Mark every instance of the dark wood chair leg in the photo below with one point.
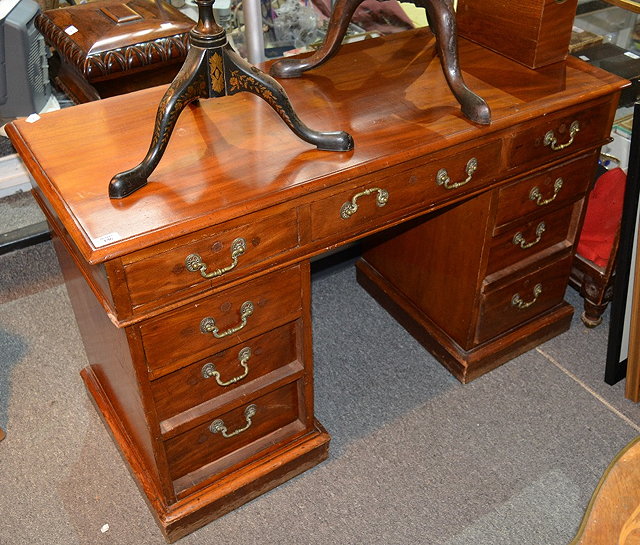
(442, 21)
(597, 295)
(339, 21)
(592, 314)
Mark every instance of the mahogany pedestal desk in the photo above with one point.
(192, 295)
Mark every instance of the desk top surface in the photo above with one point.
(231, 156)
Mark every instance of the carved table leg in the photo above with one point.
(213, 69)
(242, 76)
(341, 15)
(442, 20)
(189, 84)
(443, 24)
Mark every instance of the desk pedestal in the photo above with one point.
(475, 286)
(214, 501)
(465, 365)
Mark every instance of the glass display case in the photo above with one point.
(614, 24)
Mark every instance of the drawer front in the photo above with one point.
(209, 258)
(524, 240)
(222, 373)
(557, 135)
(553, 188)
(522, 299)
(217, 322)
(382, 197)
(230, 431)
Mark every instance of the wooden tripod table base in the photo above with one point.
(213, 69)
(442, 21)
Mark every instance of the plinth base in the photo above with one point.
(465, 365)
(224, 495)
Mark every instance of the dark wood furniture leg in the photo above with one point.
(341, 15)
(594, 308)
(213, 69)
(442, 21)
(595, 285)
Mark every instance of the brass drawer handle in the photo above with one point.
(209, 370)
(194, 262)
(516, 300)
(536, 196)
(208, 324)
(348, 209)
(442, 177)
(551, 141)
(217, 426)
(519, 240)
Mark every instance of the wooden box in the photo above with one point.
(111, 47)
(534, 33)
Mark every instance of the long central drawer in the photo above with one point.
(382, 197)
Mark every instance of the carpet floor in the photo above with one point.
(416, 457)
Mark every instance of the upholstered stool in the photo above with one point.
(594, 265)
(112, 47)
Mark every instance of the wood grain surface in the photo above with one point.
(613, 514)
(231, 156)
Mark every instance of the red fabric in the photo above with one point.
(602, 218)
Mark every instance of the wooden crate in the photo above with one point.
(534, 33)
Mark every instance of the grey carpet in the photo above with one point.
(416, 457)
(19, 210)
(6, 148)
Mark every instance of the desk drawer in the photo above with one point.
(208, 258)
(557, 135)
(380, 198)
(256, 424)
(522, 299)
(523, 240)
(220, 321)
(550, 189)
(221, 374)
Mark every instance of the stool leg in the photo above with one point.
(597, 293)
(242, 76)
(341, 15)
(442, 21)
(189, 85)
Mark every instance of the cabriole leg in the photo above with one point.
(442, 21)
